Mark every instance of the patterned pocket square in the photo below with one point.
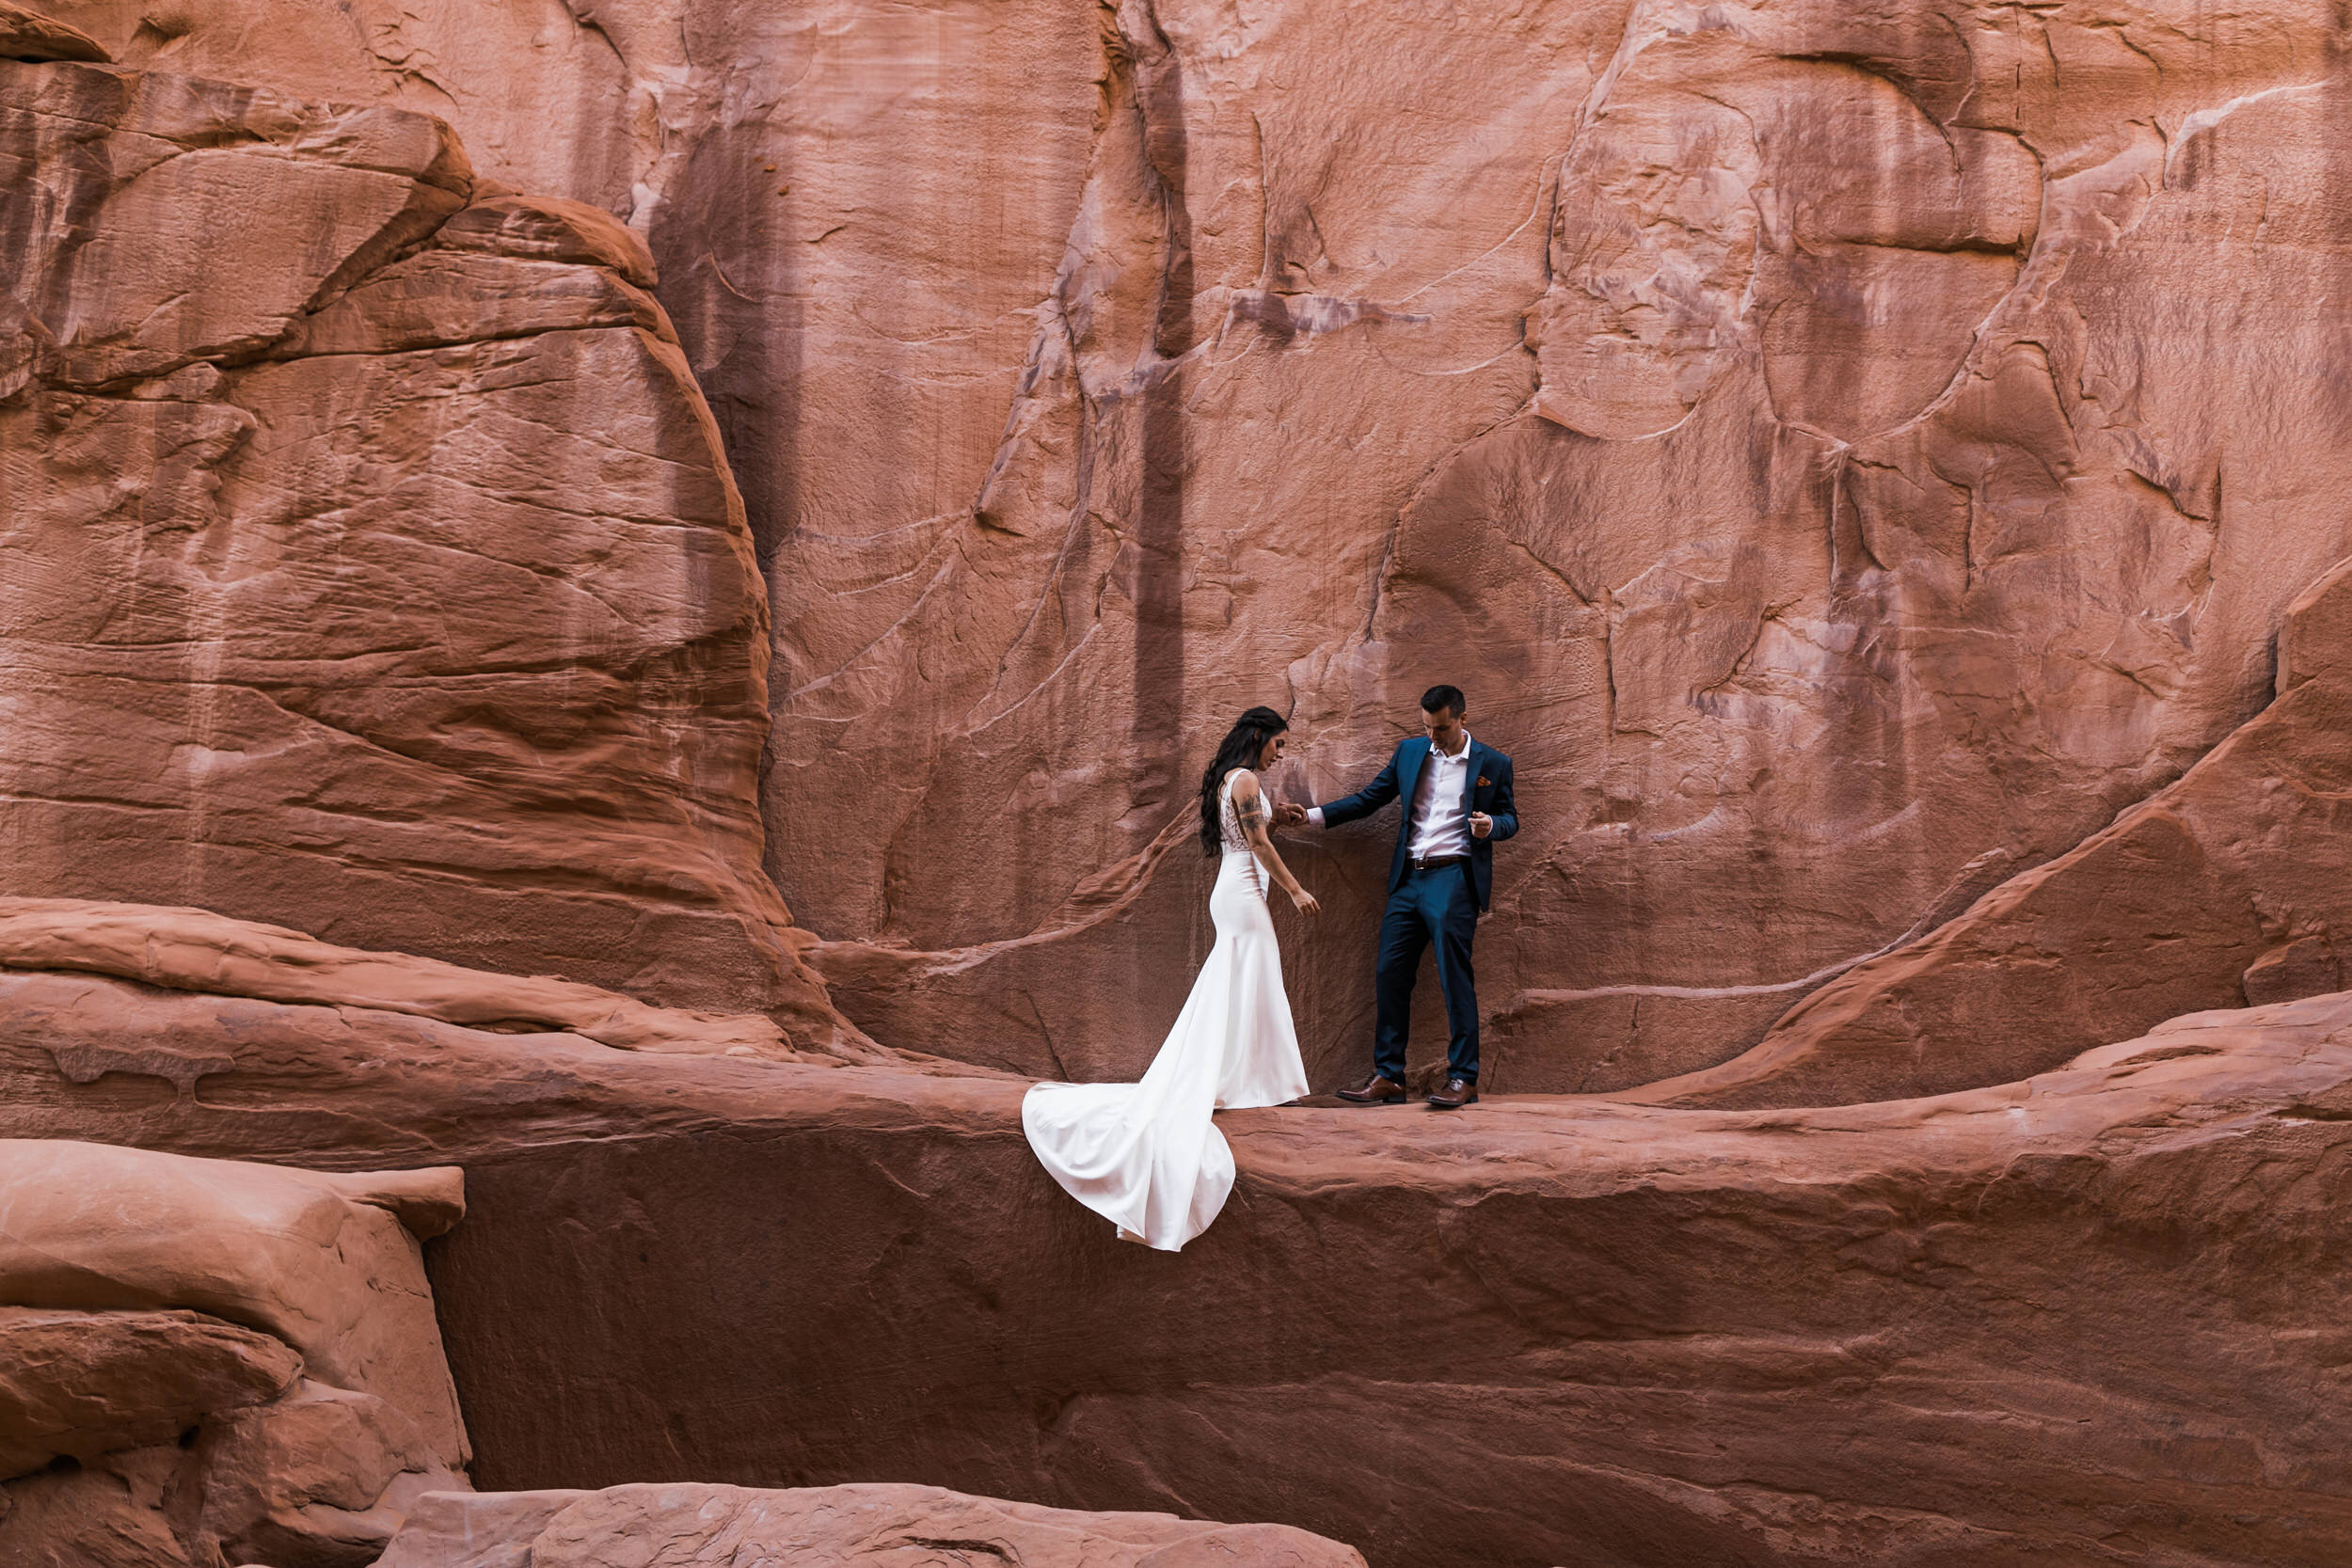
(1485, 783)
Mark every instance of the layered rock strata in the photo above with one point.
(1909, 1333)
(372, 563)
(719, 1526)
(49, 947)
(206, 1362)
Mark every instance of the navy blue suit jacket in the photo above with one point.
(1489, 778)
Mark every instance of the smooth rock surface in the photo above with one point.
(371, 566)
(1907, 1332)
(719, 1526)
(325, 1262)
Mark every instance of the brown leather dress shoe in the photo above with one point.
(1377, 1091)
(1457, 1093)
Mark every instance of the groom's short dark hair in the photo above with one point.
(1444, 699)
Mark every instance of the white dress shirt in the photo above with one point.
(1440, 806)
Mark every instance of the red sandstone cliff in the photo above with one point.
(1869, 466)
(1848, 453)
(372, 563)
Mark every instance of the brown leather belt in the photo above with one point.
(1420, 864)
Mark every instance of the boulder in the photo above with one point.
(326, 1263)
(84, 1385)
(205, 1361)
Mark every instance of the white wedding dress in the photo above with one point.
(1146, 1156)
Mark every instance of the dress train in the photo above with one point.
(1147, 1156)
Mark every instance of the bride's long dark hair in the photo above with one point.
(1241, 748)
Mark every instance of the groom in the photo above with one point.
(1459, 795)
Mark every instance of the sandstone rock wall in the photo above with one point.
(371, 565)
(1849, 454)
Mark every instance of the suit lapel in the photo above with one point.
(1416, 754)
(1469, 778)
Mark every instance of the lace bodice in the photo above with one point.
(1229, 820)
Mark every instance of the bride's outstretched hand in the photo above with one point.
(1305, 902)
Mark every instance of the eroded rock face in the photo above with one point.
(2232, 885)
(722, 1525)
(374, 567)
(1803, 429)
(29, 36)
(1886, 367)
(85, 1384)
(1911, 1333)
(203, 1361)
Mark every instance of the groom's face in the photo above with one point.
(1445, 729)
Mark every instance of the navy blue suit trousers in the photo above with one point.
(1439, 906)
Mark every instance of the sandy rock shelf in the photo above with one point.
(2103, 1305)
(834, 1526)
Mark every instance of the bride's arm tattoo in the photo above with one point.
(1252, 814)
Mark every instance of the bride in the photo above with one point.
(1144, 1156)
